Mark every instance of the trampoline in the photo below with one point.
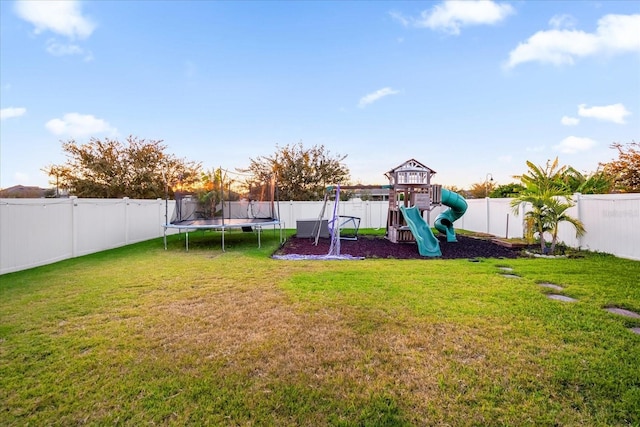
(251, 211)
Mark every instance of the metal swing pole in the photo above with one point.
(318, 226)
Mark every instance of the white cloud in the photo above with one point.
(451, 15)
(611, 113)
(615, 34)
(375, 96)
(8, 113)
(79, 125)
(58, 49)
(63, 49)
(620, 32)
(569, 121)
(574, 144)
(400, 18)
(554, 46)
(507, 158)
(562, 21)
(60, 17)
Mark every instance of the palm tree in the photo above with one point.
(556, 213)
(550, 179)
(537, 215)
(547, 190)
(598, 182)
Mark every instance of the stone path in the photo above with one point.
(551, 286)
(507, 272)
(558, 297)
(623, 312)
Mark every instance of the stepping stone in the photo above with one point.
(505, 268)
(511, 276)
(635, 330)
(623, 312)
(561, 298)
(551, 286)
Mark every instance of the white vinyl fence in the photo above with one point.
(612, 222)
(36, 232)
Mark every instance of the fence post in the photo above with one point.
(506, 233)
(160, 221)
(73, 200)
(125, 200)
(577, 198)
(291, 214)
(488, 214)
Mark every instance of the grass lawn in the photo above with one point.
(144, 336)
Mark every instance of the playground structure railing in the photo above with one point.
(36, 232)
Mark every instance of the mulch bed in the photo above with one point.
(379, 247)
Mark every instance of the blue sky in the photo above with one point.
(467, 88)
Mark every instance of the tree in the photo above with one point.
(549, 179)
(480, 190)
(107, 168)
(625, 171)
(506, 190)
(547, 191)
(210, 192)
(59, 176)
(301, 173)
(556, 213)
(597, 182)
(536, 217)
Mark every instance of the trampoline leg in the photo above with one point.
(223, 240)
(259, 229)
(187, 241)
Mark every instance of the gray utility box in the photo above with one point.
(306, 228)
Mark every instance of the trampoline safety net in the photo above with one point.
(255, 202)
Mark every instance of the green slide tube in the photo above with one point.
(428, 245)
(457, 207)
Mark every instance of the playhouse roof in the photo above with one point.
(411, 165)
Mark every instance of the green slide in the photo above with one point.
(428, 245)
(457, 207)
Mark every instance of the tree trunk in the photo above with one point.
(554, 240)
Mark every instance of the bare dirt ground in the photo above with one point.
(379, 247)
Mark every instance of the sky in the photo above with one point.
(472, 89)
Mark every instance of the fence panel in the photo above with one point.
(34, 232)
(292, 211)
(145, 218)
(474, 219)
(99, 224)
(372, 214)
(612, 222)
